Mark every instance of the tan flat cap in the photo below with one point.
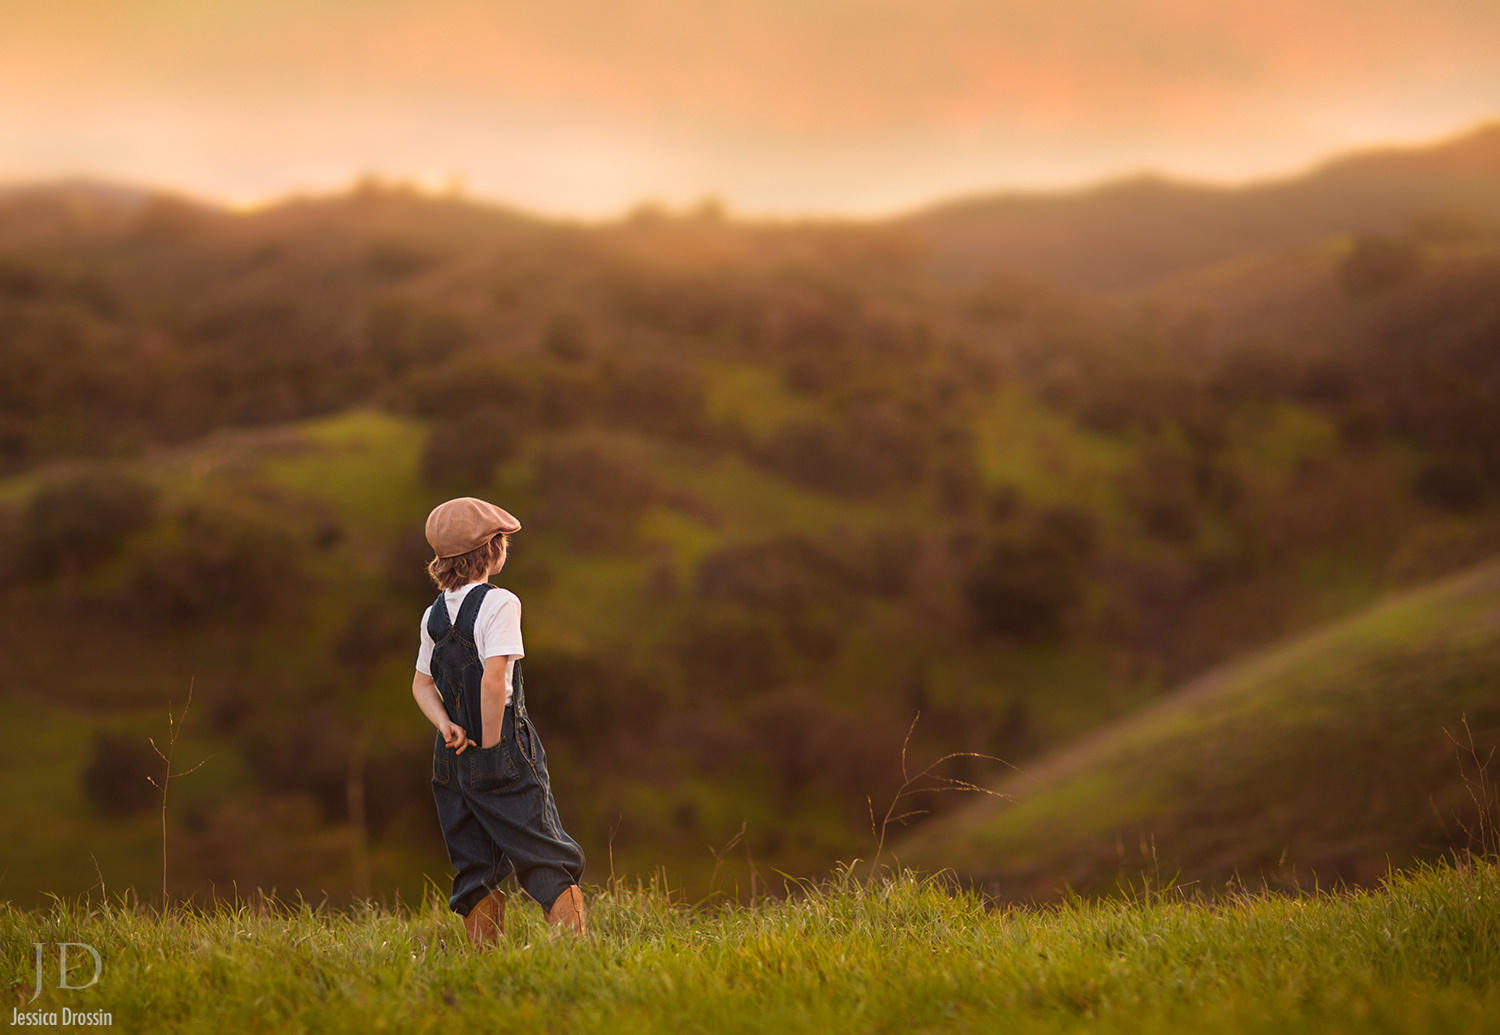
(465, 524)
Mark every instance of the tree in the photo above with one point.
(76, 522)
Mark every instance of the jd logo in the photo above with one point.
(63, 968)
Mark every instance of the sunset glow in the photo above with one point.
(785, 107)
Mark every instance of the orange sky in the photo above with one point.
(861, 107)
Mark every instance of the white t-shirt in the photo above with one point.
(497, 627)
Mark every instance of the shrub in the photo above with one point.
(565, 339)
(727, 650)
(816, 369)
(1362, 423)
(464, 448)
(565, 397)
(811, 742)
(115, 778)
(405, 568)
(593, 700)
(659, 397)
(789, 571)
(79, 521)
(1169, 517)
(396, 259)
(389, 787)
(233, 702)
(1328, 381)
(222, 563)
(1378, 262)
(960, 485)
(1074, 530)
(1254, 370)
(403, 334)
(1022, 589)
(593, 490)
(886, 557)
(376, 631)
(469, 381)
(1164, 491)
(1451, 484)
(836, 458)
(295, 753)
(702, 302)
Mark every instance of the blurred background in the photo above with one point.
(1111, 390)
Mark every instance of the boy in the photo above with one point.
(489, 772)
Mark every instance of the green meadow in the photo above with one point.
(1418, 953)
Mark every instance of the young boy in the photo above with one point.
(489, 771)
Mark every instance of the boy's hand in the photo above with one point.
(454, 736)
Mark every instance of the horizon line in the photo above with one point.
(414, 184)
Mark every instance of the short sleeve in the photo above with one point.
(498, 630)
(424, 650)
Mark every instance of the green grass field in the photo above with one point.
(902, 953)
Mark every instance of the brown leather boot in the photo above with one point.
(567, 911)
(485, 923)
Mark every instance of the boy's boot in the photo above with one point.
(567, 911)
(485, 923)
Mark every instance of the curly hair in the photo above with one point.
(474, 566)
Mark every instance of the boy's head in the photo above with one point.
(470, 538)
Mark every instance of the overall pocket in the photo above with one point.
(496, 765)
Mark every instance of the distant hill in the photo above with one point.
(1322, 757)
(1132, 231)
(42, 210)
(92, 189)
(1119, 234)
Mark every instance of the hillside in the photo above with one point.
(782, 487)
(1324, 758)
(1129, 232)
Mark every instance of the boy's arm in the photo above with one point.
(493, 690)
(424, 690)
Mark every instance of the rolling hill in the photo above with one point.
(1321, 758)
(1129, 232)
(783, 486)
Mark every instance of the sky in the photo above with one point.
(585, 108)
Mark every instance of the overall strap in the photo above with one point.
(468, 612)
(438, 623)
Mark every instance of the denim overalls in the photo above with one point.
(494, 804)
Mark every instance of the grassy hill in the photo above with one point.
(344, 499)
(1327, 757)
(899, 954)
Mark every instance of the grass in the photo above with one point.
(903, 953)
(362, 462)
(1049, 458)
(754, 394)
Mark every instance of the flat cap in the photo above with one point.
(465, 524)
